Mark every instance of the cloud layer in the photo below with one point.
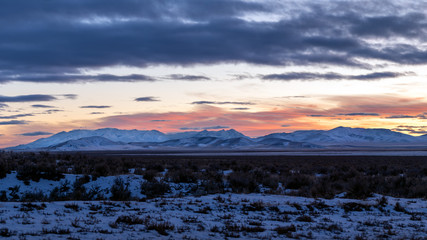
(58, 38)
(27, 98)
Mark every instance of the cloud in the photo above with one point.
(188, 77)
(27, 98)
(358, 114)
(95, 106)
(103, 33)
(419, 116)
(160, 120)
(14, 122)
(320, 115)
(297, 115)
(146, 99)
(285, 125)
(400, 116)
(50, 111)
(38, 133)
(41, 106)
(67, 78)
(240, 108)
(411, 129)
(291, 76)
(204, 128)
(95, 113)
(16, 116)
(222, 103)
(70, 96)
(297, 96)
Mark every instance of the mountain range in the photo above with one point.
(116, 139)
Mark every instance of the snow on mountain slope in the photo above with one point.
(91, 143)
(280, 143)
(235, 142)
(344, 135)
(136, 139)
(189, 142)
(125, 136)
(115, 135)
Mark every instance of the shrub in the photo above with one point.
(160, 227)
(3, 196)
(36, 196)
(181, 176)
(72, 206)
(5, 232)
(56, 230)
(359, 189)
(130, 220)
(120, 190)
(285, 229)
(254, 206)
(399, 208)
(356, 207)
(304, 218)
(154, 188)
(27, 207)
(243, 182)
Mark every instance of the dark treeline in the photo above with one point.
(310, 176)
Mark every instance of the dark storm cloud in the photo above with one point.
(27, 98)
(32, 134)
(16, 116)
(56, 39)
(358, 114)
(222, 103)
(41, 106)
(14, 122)
(95, 106)
(146, 99)
(330, 76)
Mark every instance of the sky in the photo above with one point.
(254, 66)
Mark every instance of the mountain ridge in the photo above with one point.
(112, 138)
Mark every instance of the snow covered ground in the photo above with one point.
(241, 216)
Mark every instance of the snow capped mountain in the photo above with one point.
(113, 134)
(116, 139)
(90, 143)
(345, 135)
(76, 139)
